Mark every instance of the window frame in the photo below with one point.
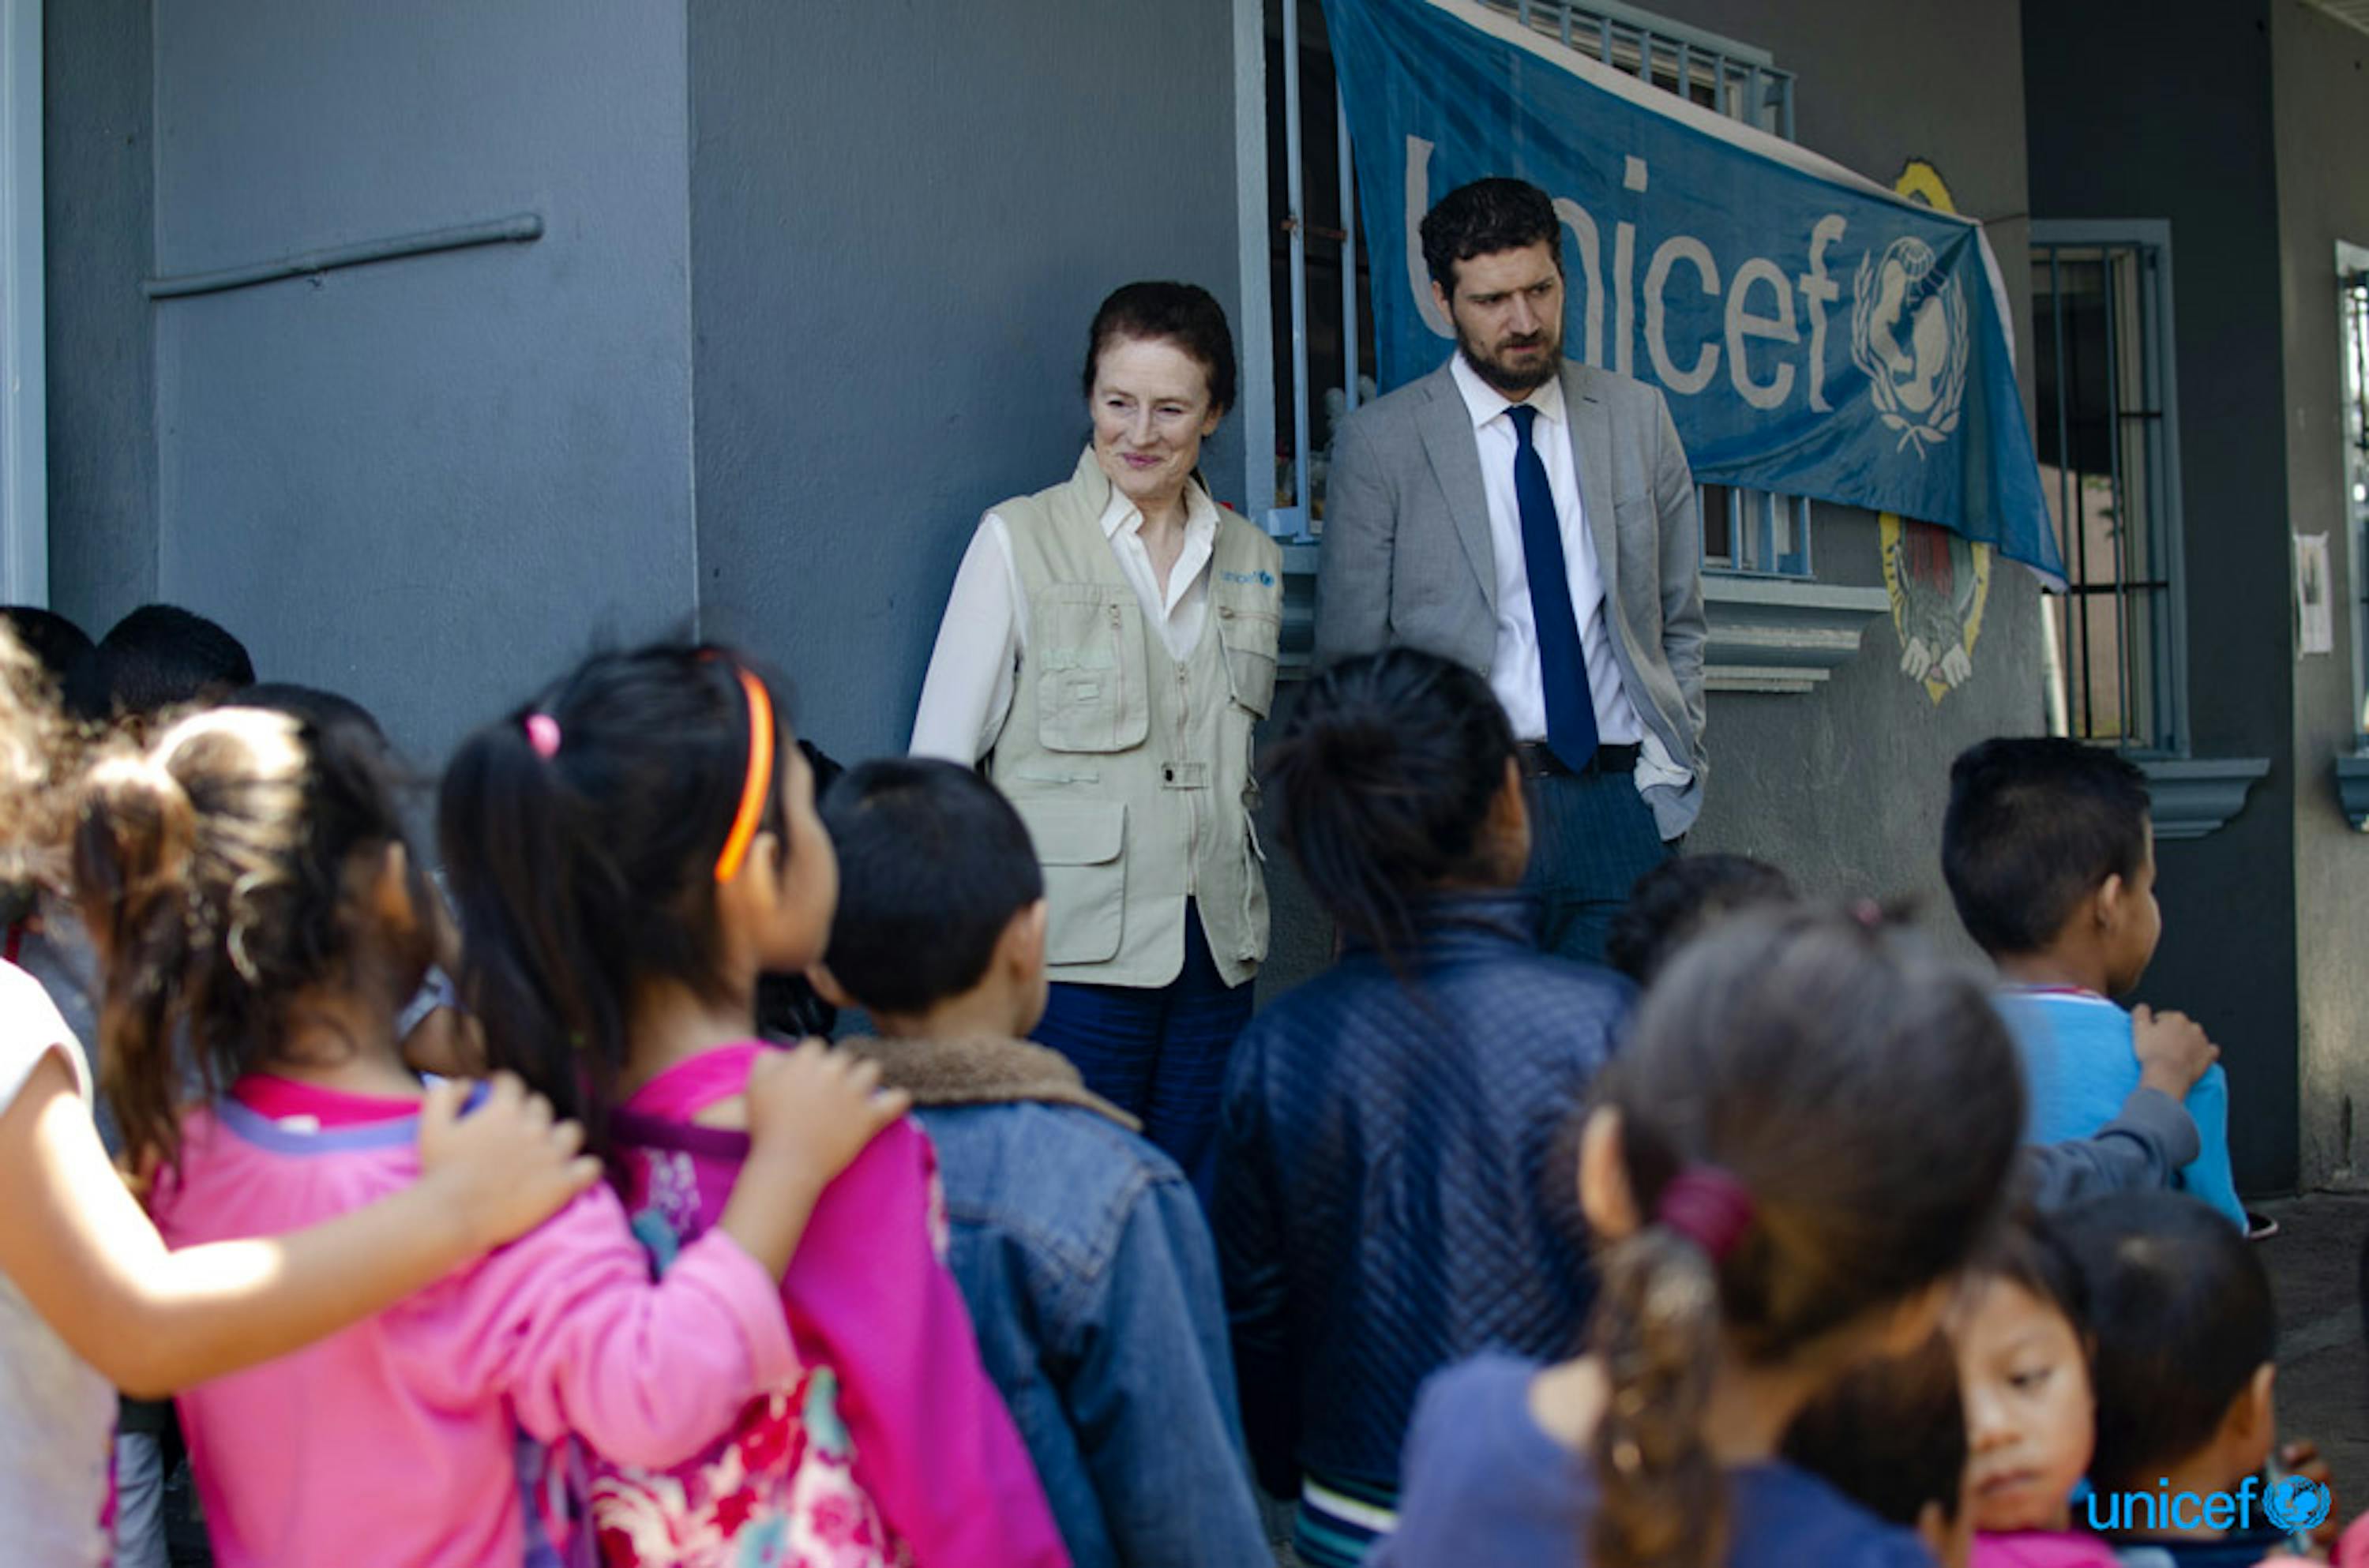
(2157, 296)
(2352, 426)
(24, 399)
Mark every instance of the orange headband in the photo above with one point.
(754, 788)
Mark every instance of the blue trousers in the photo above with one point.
(1591, 837)
(1157, 1053)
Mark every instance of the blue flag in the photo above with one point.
(1815, 333)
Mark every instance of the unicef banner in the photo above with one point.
(1815, 333)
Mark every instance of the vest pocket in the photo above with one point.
(1250, 638)
(1086, 642)
(1081, 844)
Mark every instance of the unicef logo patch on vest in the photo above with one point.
(1908, 335)
(1261, 578)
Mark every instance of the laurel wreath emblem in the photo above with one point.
(1897, 379)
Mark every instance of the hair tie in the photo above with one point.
(543, 734)
(1709, 1207)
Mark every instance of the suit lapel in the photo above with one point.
(1591, 450)
(1454, 452)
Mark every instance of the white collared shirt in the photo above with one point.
(967, 693)
(1513, 672)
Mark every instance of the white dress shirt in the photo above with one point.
(1514, 672)
(967, 693)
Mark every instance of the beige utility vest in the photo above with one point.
(1132, 769)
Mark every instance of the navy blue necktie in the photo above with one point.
(1563, 663)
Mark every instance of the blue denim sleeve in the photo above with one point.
(1152, 1398)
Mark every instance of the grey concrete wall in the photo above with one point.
(2322, 97)
(902, 219)
(2181, 128)
(426, 482)
(95, 198)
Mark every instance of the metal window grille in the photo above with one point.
(2108, 461)
(1324, 343)
(2354, 284)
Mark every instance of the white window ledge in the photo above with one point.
(2352, 788)
(2196, 797)
(1769, 634)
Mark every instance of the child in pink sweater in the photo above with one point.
(629, 854)
(249, 890)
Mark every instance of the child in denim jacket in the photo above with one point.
(1079, 1248)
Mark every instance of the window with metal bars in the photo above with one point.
(2109, 462)
(1321, 284)
(2353, 282)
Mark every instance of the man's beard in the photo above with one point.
(1514, 380)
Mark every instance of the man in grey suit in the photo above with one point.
(1534, 519)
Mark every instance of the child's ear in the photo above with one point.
(1934, 1528)
(1021, 946)
(1509, 822)
(1604, 1194)
(399, 913)
(1915, 1319)
(827, 986)
(2253, 1414)
(2107, 907)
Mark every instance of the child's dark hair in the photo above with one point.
(1864, 1098)
(1385, 774)
(933, 864)
(1891, 1434)
(57, 643)
(1184, 314)
(159, 656)
(2034, 825)
(580, 836)
(1680, 898)
(1484, 218)
(312, 705)
(2029, 1252)
(218, 873)
(2183, 1320)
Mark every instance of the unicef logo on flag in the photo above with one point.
(2295, 1503)
(1908, 335)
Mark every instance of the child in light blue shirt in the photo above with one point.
(2049, 857)
(2080, 1062)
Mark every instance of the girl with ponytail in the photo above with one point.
(1385, 1199)
(259, 917)
(91, 1302)
(629, 852)
(1805, 1137)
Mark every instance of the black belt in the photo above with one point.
(1539, 762)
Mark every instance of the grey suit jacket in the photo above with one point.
(1408, 560)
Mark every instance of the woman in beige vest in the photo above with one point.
(1107, 649)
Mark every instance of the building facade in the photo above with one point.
(754, 308)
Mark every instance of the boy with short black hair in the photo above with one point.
(1891, 1436)
(2050, 856)
(158, 658)
(2185, 1335)
(1079, 1248)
